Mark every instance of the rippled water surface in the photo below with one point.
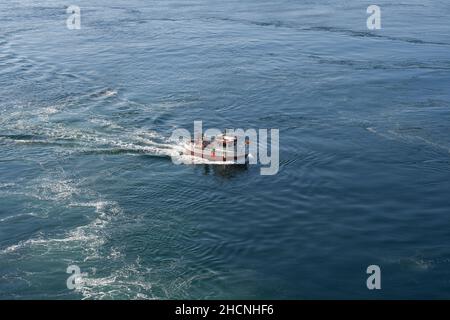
(86, 176)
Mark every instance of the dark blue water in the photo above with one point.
(86, 178)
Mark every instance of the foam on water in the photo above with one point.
(93, 141)
(85, 169)
(408, 138)
(85, 239)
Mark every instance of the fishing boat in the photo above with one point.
(219, 149)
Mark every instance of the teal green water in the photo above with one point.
(86, 176)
